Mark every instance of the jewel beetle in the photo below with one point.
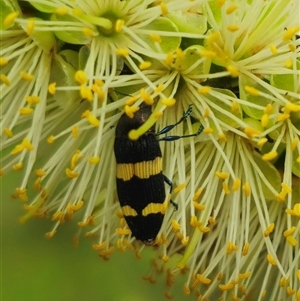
(139, 176)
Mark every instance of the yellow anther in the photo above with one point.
(197, 195)
(298, 275)
(88, 32)
(30, 26)
(284, 281)
(231, 9)
(75, 130)
(236, 184)
(179, 54)
(221, 3)
(288, 64)
(208, 53)
(292, 241)
(245, 249)
(247, 189)
(204, 90)
(121, 231)
(50, 234)
(119, 25)
(233, 27)
(94, 160)
(169, 102)
(180, 187)
(250, 132)
(31, 99)
(294, 144)
(77, 11)
(231, 247)
(22, 194)
(40, 172)
(164, 8)
(234, 71)
(291, 107)
(204, 229)
(203, 279)
(243, 276)
(292, 47)
(71, 174)
(75, 158)
(17, 149)
(270, 156)
(273, 49)
(222, 175)
(283, 117)
(290, 291)
(271, 259)
(268, 109)
(295, 211)
(185, 241)
(86, 93)
(269, 230)
(225, 188)
(206, 113)
(262, 141)
(175, 225)
(99, 247)
(159, 88)
(37, 184)
(289, 231)
(198, 206)
(234, 107)
(212, 220)
(132, 100)
(226, 287)
(186, 289)
(130, 110)
(10, 19)
(155, 38)
(50, 139)
(18, 166)
(264, 120)
(52, 88)
(122, 52)
(3, 61)
(286, 188)
(91, 118)
(59, 215)
(26, 76)
(222, 137)
(26, 111)
(146, 97)
(145, 65)
(290, 32)
(208, 130)
(62, 11)
(8, 132)
(5, 80)
(27, 145)
(280, 197)
(169, 59)
(81, 77)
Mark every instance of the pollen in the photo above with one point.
(231, 9)
(269, 230)
(250, 132)
(197, 195)
(295, 211)
(245, 249)
(5, 79)
(234, 107)
(50, 139)
(292, 241)
(169, 102)
(119, 25)
(94, 160)
(88, 32)
(81, 77)
(71, 174)
(291, 107)
(91, 118)
(290, 33)
(121, 231)
(225, 188)
(18, 166)
(155, 38)
(226, 287)
(203, 279)
(33, 99)
(164, 9)
(222, 175)
(122, 52)
(270, 156)
(273, 49)
(146, 97)
(40, 172)
(8, 132)
(145, 65)
(243, 276)
(75, 130)
(26, 76)
(159, 88)
(288, 64)
(252, 91)
(208, 130)
(271, 259)
(234, 71)
(130, 110)
(179, 188)
(198, 206)
(10, 19)
(62, 11)
(236, 184)
(25, 111)
(86, 93)
(204, 90)
(264, 120)
(247, 189)
(30, 27)
(175, 225)
(3, 61)
(233, 28)
(52, 88)
(231, 247)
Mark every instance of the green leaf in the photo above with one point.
(43, 7)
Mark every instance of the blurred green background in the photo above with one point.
(35, 268)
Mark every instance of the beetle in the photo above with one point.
(139, 177)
